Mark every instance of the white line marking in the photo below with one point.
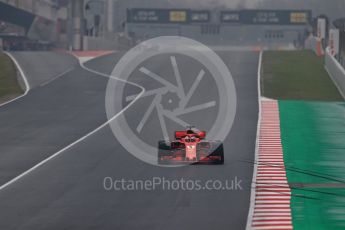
(57, 77)
(282, 173)
(270, 198)
(258, 206)
(265, 178)
(259, 219)
(272, 201)
(263, 222)
(269, 193)
(272, 227)
(276, 214)
(252, 193)
(84, 137)
(22, 74)
(148, 93)
(273, 198)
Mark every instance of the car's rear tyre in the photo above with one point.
(164, 149)
(219, 151)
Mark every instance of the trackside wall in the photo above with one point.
(336, 71)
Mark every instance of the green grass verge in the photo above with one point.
(9, 86)
(296, 75)
(318, 209)
(313, 139)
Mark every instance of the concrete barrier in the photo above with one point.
(336, 71)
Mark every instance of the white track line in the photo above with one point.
(57, 77)
(22, 74)
(84, 137)
(252, 193)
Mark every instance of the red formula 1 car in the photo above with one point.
(190, 147)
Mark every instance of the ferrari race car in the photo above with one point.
(190, 147)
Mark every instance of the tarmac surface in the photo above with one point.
(68, 191)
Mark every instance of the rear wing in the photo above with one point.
(182, 134)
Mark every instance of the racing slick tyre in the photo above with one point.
(164, 149)
(219, 151)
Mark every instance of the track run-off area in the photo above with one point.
(307, 139)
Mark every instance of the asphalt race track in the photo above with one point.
(51, 116)
(67, 192)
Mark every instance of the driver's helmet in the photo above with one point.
(192, 130)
